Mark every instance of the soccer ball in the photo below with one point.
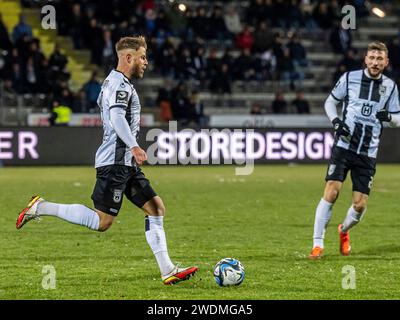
(229, 272)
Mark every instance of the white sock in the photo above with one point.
(155, 237)
(74, 213)
(322, 216)
(353, 217)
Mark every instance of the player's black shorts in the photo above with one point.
(113, 181)
(362, 169)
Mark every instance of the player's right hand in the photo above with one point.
(341, 129)
(139, 154)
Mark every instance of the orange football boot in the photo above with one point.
(345, 247)
(316, 253)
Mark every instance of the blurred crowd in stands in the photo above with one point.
(202, 46)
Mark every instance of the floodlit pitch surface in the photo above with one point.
(265, 220)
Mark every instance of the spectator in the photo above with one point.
(197, 109)
(213, 64)
(323, 16)
(232, 21)
(201, 23)
(340, 39)
(66, 98)
(167, 59)
(92, 90)
(245, 39)
(268, 65)
(21, 29)
(221, 80)
(279, 105)
(81, 104)
(300, 103)
(294, 15)
(263, 38)
(219, 30)
(185, 68)
(245, 66)
(256, 12)
(75, 25)
(180, 103)
(47, 78)
(108, 56)
(94, 41)
(58, 61)
(31, 76)
(350, 61)
(255, 109)
(199, 64)
(297, 51)
(60, 114)
(162, 22)
(17, 79)
(35, 53)
(286, 69)
(298, 55)
(307, 16)
(8, 88)
(164, 103)
(150, 17)
(5, 42)
(22, 47)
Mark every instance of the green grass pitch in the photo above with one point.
(265, 220)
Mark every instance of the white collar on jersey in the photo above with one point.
(369, 76)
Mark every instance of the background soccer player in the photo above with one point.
(117, 161)
(368, 98)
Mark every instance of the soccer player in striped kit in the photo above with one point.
(117, 164)
(368, 99)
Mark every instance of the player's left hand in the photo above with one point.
(139, 154)
(383, 115)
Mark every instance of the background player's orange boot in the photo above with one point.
(316, 253)
(345, 247)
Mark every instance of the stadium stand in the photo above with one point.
(234, 54)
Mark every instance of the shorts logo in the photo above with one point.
(121, 97)
(117, 195)
(331, 169)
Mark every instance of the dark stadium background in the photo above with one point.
(221, 64)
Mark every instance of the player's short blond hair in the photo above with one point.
(131, 43)
(379, 46)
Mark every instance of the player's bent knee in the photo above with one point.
(331, 192)
(360, 206)
(360, 202)
(159, 206)
(161, 209)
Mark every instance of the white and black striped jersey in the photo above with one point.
(362, 97)
(117, 92)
